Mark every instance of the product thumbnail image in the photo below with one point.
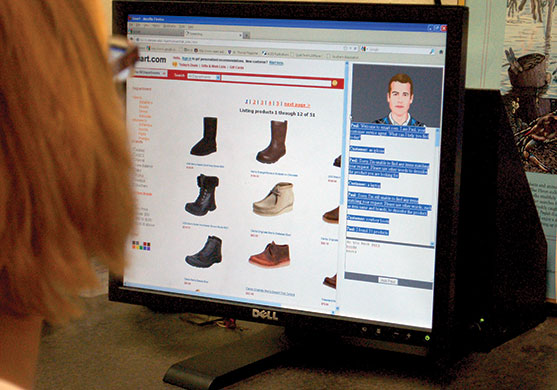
(274, 256)
(277, 147)
(331, 216)
(330, 281)
(207, 144)
(205, 201)
(280, 200)
(209, 255)
(338, 161)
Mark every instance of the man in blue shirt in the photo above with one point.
(400, 97)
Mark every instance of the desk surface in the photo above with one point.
(119, 346)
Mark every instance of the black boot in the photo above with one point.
(207, 144)
(205, 202)
(209, 255)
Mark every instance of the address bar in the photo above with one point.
(350, 47)
(248, 43)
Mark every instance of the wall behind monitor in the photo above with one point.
(486, 36)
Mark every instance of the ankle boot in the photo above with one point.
(209, 255)
(205, 201)
(207, 144)
(280, 200)
(277, 146)
(273, 256)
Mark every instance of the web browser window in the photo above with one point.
(286, 163)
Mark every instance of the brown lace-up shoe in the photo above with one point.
(331, 216)
(330, 281)
(273, 256)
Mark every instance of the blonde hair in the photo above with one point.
(65, 167)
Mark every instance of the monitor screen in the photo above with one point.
(295, 161)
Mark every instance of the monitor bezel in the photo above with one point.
(456, 18)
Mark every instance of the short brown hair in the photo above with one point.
(402, 78)
(65, 193)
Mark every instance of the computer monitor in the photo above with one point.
(297, 164)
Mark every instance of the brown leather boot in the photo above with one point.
(273, 256)
(277, 146)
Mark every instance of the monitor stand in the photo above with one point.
(230, 363)
(239, 360)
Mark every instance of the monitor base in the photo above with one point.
(230, 363)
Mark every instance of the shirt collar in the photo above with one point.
(405, 122)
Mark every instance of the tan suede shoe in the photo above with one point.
(280, 200)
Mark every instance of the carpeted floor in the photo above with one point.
(119, 346)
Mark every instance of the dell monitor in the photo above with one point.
(297, 164)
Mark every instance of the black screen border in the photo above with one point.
(438, 340)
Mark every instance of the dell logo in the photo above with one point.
(266, 314)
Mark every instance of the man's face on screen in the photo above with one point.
(400, 98)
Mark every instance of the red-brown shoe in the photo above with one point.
(331, 281)
(331, 216)
(273, 256)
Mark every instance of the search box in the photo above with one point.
(397, 50)
(276, 80)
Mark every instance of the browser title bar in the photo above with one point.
(291, 23)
